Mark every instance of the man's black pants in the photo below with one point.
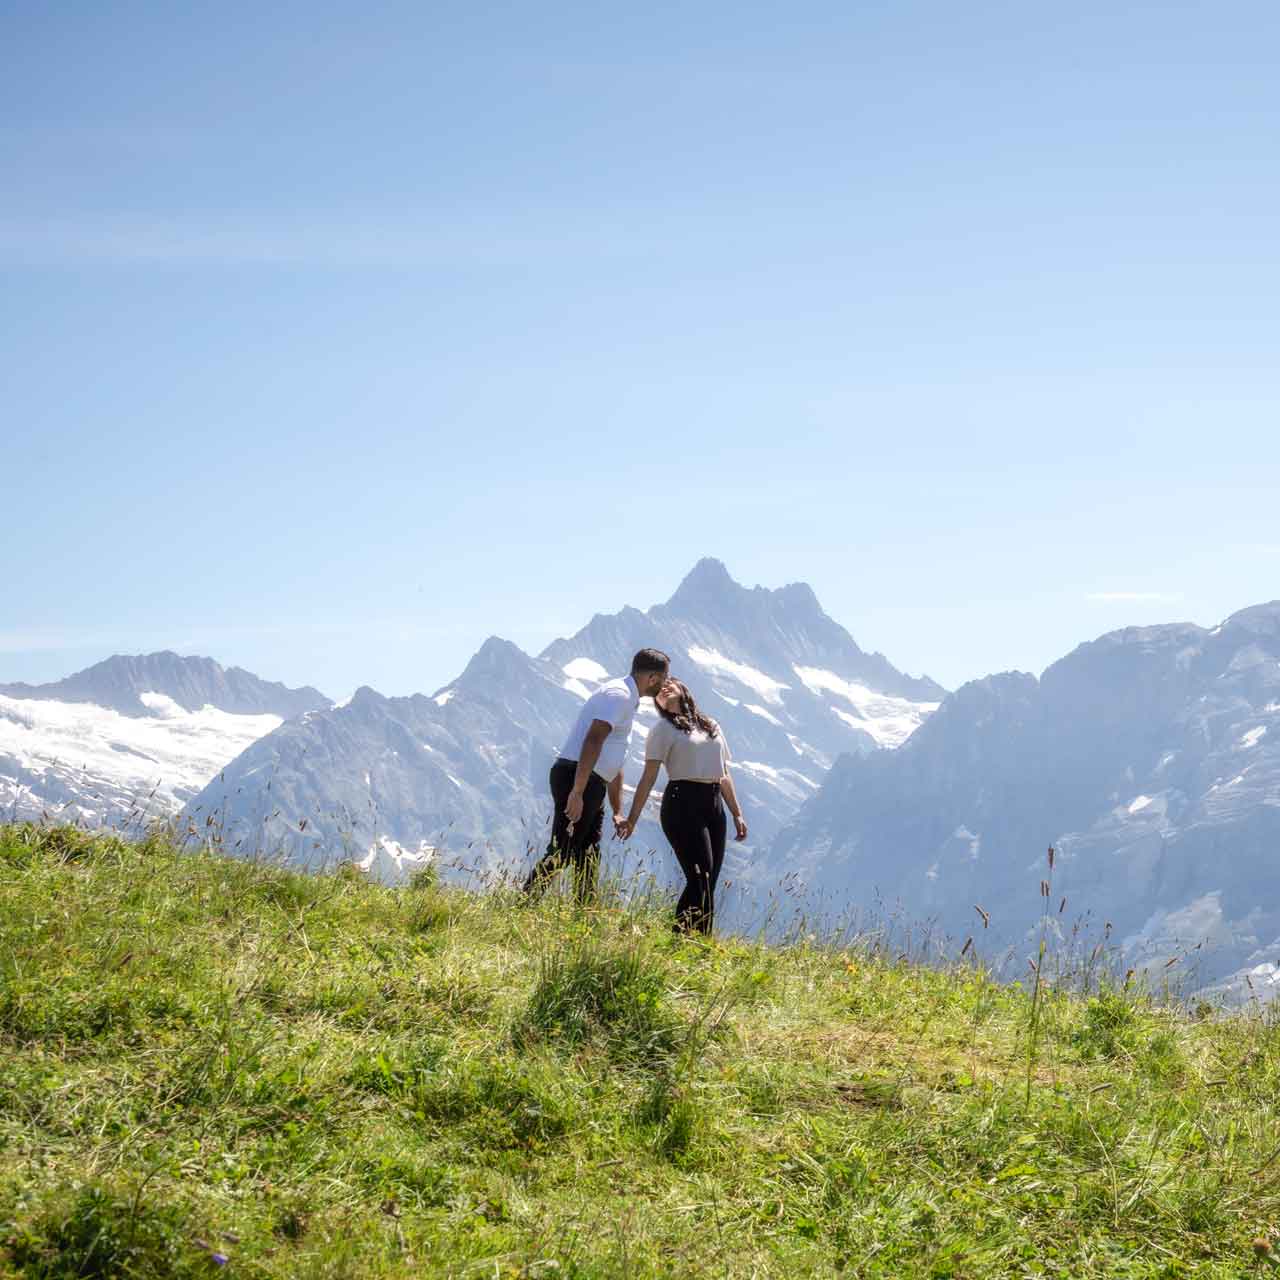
(693, 819)
(579, 848)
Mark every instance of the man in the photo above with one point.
(589, 768)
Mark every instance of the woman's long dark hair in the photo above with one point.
(686, 717)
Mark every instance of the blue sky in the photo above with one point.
(337, 337)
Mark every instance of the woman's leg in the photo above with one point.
(685, 825)
(717, 834)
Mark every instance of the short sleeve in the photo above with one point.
(657, 746)
(725, 753)
(609, 705)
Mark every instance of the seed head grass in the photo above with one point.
(215, 1067)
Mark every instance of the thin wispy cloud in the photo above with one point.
(207, 638)
(394, 239)
(1134, 597)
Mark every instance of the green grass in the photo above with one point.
(214, 1068)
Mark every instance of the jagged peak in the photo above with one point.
(136, 661)
(800, 596)
(495, 656)
(708, 579)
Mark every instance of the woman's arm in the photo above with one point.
(614, 792)
(643, 787)
(731, 799)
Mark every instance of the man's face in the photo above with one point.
(650, 683)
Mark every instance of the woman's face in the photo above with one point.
(668, 697)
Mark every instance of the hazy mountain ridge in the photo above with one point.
(1150, 759)
(193, 683)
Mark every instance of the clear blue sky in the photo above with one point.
(336, 337)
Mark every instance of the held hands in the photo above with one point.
(621, 827)
(740, 827)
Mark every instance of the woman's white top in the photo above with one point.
(689, 757)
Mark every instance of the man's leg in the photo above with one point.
(558, 850)
(584, 844)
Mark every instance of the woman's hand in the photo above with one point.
(740, 827)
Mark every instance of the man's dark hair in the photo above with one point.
(648, 661)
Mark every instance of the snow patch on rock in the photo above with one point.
(890, 721)
(585, 669)
(392, 864)
(99, 762)
(769, 689)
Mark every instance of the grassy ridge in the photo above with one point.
(209, 1067)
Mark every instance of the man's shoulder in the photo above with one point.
(614, 689)
(614, 694)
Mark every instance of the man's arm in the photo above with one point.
(596, 735)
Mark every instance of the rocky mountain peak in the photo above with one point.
(495, 661)
(707, 583)
(1260, 620)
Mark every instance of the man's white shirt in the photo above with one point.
(615, 703)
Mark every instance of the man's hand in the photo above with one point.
(740, 827)
(573, 807)
(620, 826)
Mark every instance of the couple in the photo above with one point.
(696, 756)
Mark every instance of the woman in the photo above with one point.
(693, 748)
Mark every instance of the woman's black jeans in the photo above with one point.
(693, 819)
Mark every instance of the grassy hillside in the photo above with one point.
(208, 1067)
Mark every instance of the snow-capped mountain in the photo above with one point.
(131, 737)
(465, 769)
(1149, 759)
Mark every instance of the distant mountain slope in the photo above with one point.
(117, 684)
(1149, 758)
(464, 768)
(131, 735)
(468, 765)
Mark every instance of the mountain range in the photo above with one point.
(132, 737)
(1149, 759)
(464, 769)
